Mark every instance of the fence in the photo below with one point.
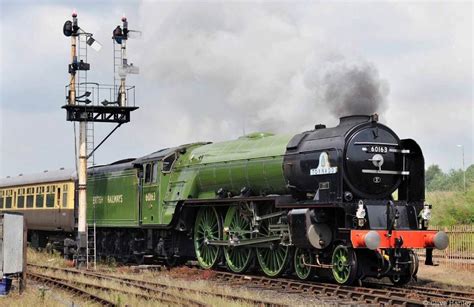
(460, 252)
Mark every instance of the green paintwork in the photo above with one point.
(114, 196)
(301, 270)
(273, 260)
(238, 259)
(341, 265)
(207, 227)
(254, 161)
(150, 200)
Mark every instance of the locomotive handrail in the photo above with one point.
(384, 172)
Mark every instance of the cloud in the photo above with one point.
(254, 67)
(210, 70)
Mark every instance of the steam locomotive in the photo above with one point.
(345, 202)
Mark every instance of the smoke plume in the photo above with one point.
(217, 70)
(347, 88)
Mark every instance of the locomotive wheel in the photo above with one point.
(273, 260)
(207, 227)
(238, 259)
(344, 265)
(303, 256)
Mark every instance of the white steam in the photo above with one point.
(210, 70)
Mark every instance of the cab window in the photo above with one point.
(168, 163)
(148, 173)
(154, 178)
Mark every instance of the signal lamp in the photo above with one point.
(67, 28)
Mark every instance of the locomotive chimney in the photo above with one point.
(374, 117)
(352, 119)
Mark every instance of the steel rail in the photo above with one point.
(413, 294)
(430, 293)
(70, 288)
(107, 289)
(163, 297)
(153, 285)
(359, 294)
(156, 286)
(458, 294)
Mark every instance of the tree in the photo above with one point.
(431, 173)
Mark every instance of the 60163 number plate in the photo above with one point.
(377, 149)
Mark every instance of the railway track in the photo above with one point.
(432, 294)
(327, 293)
(69, 288)
(149, 294)
(163, 288)
(370, 293)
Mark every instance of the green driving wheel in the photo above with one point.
(238, 258)
(273, 260)
(207, 227)
(301, 259)
(344, 265)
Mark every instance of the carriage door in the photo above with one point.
(150, 193)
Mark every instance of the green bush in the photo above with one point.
(452, 207)
(445, 191)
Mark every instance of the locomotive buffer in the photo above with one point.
(90, 102)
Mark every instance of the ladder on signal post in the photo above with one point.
(92, 245)
(118, 65)
(91, 254)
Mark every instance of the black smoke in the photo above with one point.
(354, 90)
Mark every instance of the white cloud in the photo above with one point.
(210, 69)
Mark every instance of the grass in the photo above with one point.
(35, 296)
(452, 207)
(54, 297)
(444, 277)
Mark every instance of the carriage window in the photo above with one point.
(49, 200)
(21, 201)
(39, 200)
(64, 199)
(148, 173)
(29, 201)
(1, 200)
(168, 163)
(8, 202)
(58, 196)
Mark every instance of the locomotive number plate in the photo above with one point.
(377, 149)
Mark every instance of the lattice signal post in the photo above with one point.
(90, 102)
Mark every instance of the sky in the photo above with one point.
(211, 71)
